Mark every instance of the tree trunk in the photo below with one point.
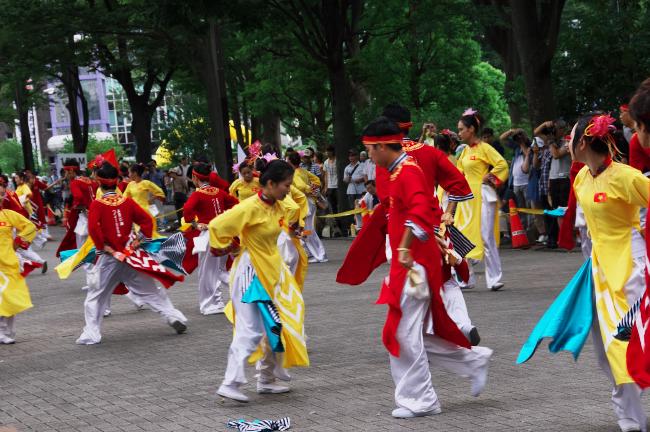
(256, 128)
(343, 121)
(85, 115)
(235, 113)
(535, 34)
(71, 91)
(211, 74)
(271, 132)
(141, 130)
(23, 117)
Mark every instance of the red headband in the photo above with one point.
(70, 167)
(107, 182)
(405, 125)
(624, 107)
(200, 176)
(384, 139)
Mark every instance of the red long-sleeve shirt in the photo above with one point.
(218, 182)
(111, 219)
(639, 156)
(437, 169)
(37, 188)
(83, 192)
(11, 202)
(206, 203)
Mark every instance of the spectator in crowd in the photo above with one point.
(307, 162)
(370, 168)
(180, 191)
(520, 168)
(488, 137)
(559, 185)
(331, 186)
(355, 176)
(169, 193)
(186, 170)
(428, 134)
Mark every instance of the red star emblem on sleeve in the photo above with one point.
(600, 197)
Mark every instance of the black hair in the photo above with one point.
(202, 168)
(473, 120)
(488, 131)
(598, 145)
(370, 182)
(23, 175)
(276, 171)
(109, 172)
(72, 163)
(331, 148)
(294, 158)
(397, 113)
(124, 170)
(382, 126)
(639, 106)
(443, 142)
(202, 159)
(243, 165)
(137, 168)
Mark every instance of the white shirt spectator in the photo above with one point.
(355, 175)
(332, 174)
(371, 169)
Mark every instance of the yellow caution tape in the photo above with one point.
(346, 213)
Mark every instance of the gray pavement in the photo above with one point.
(144, 377)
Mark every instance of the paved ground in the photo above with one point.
(144, 377)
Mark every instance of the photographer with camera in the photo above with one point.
(429, 131)
(558, 163)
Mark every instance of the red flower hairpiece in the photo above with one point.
(600, 126)
(446, 132)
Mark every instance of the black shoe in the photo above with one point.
(474, 337)
(179, 327)
(44, 268)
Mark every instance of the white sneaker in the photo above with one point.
(107, 313)
(214, 309)
(629, 426)
(497, 286)
(87, 339)
(271, 388)
(406, 413)
(542, 239)
(6, 340)
(232, 392)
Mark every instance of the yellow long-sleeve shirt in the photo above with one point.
(14, 294)
(25, 195)
(611, 202)
(475, 162)
(242, 190)
(142, 192)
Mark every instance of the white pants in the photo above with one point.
(454, 301)
(7, 331)
(109, 272)
(626, 398)
(249, 332)
(288, 251)
(585, 242)
(213, 277)
(418, 349)
(313, 244)
(81, 239)
(491, 251)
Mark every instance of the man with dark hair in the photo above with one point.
(331, 180)
(412, 290)
(488, 137)
(111, 219)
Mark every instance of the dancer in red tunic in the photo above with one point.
(204, 205)
(412, 291)
(110, 224)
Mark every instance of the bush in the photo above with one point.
(11, 156)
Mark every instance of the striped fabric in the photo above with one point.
(282, 424)
(461, 244)
(458, 198)
(624, 328)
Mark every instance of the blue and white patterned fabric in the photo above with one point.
(261, 425)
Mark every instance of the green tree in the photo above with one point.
(600, 58)
(10, 156)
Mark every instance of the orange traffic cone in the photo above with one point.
(519, 236)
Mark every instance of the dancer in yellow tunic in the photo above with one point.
(309, 184)
(611, 195)
(23, 192)
(264, 294)
(478, 218)
(246, 186)
(14, 294)
(144, 192)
